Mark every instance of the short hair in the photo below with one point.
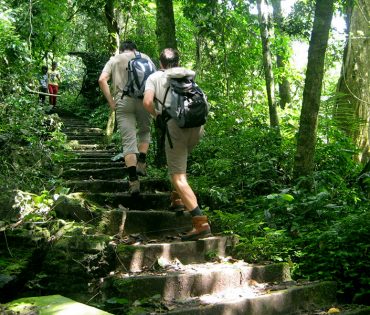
(169, 58)
(54, 63)
(128, 45)
(44, 68)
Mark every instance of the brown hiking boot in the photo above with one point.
(176, 202)
(141, 169)
(200, 229)
(134, 187)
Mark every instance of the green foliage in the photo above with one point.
(30, 141)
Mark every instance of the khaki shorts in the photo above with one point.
(183, 141)
(131, 114)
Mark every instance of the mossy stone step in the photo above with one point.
(115, 185)
(93, 164)
(103, 173)
(76, 145)
(81, 130)
(52, 305)
(143, 201)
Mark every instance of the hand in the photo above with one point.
(112, 105)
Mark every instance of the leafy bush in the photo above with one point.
(30, 143)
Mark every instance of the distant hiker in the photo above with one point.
(180, 141)
(53, 83)
(128, 104)
(43, 81)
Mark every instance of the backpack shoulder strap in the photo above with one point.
(164, 99)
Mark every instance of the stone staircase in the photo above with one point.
(124, 253)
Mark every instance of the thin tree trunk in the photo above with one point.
(112, 25)
(267, 63)
(306, 142)
(281, 60)
(352, 111)
(166, 30)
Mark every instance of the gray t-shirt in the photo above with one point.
(116, 67)
(158, 82)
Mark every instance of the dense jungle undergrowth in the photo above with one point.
(242, 174)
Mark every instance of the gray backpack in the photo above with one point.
(139, 69)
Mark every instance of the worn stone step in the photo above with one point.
(97, 141)
(94, 153)
(143, 201)
(81, 130)
(179, 281)
(103, 173)
(294, 299)
(51, 304)
(76, 145)
(151, 223)
(92, 164)
(84, 136)
(91, 159)
(136, 258)
(115, 185)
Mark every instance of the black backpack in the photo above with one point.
(189, 106)
(139, 70)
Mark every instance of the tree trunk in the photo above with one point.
(112, 25)
(304, 158)
(166, 31)
(267, 63)
(281, 59)
(352, 111)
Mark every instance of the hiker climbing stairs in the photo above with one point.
(151, 269)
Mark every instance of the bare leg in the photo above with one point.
(183, 188)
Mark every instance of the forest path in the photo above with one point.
(123, 254)
(152, 271)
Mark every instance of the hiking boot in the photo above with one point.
(134, 187)
(141, 169)
(200, 229)
(176, 202)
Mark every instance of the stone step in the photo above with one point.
(177, 281)
(73, 141)
(94, 153)
(151, 223)
(76, 145)
(143, 201)
(82, 130)
(103, 173)
(92, 164)
(91, 159)
(115, 185)
(51, 304)
(136, 258)
(84, 137)
(293, 299)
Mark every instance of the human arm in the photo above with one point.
(103, 84)
(148, 102)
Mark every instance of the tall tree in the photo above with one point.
(166, 30)
(281, 57)
(112, 25)
(267, 61)
(353, 109)
(306, 142)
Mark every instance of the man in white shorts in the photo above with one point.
(130, 114)
(183, 140)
